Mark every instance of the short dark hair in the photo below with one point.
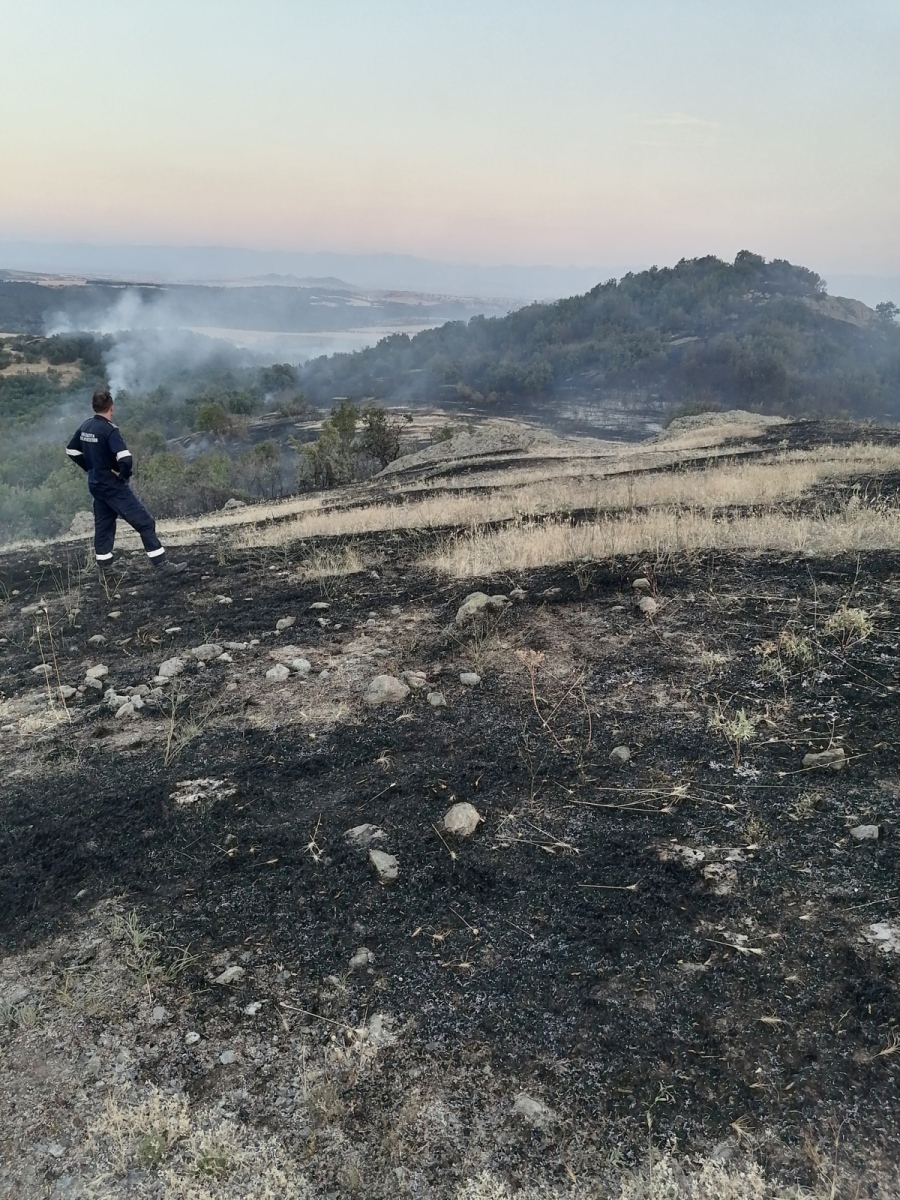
(101, 401)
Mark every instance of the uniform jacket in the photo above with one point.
(99, 448)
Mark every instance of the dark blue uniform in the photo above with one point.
(99, 448)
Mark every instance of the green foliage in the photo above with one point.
(744, 334)
(380, 438)
(280, 377)
(888, 310)
(212, 418)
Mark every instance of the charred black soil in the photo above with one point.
(682, 935)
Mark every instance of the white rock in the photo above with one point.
(462, 819)
(42, 669)
(865, 833)
(125, 710)
(230, 975)
(415, 679)
(884, 935)
(236, 645)
(97, 672)
(284, 623)
(93, 685)
(279, 673)
(827, 760)
(170, 668)
(469, 678)
(385, 689)
(364, 835)
(648, 606)
(191, 1038)
(227, 1057)
(160, 1015)
(66, 692)
(206, 652)
(478, 603)
(436, 700)
(320, 606)
(115, 614)
(173, 629)
(137, 703)
(642, 585)
(386, 865)
(535, 1112)
(300, 666)
(97, 640)
(362, 958)
(620, 754)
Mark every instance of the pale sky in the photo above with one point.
(524, 131)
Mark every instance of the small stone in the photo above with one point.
(415, 679)
(56, 1150)
(66, 692)
(395, 610)
(478, 603)
(191, 1038)
(362, 958)
(827, 760)
(436, 700)
(253, 1007)
(284, 623)
(320, 606)
(230, 975)
(173, 629)
(866, 833)
(93, 685)
(42, 669)
(884, 936)
(125, 710)
(232, 503)
(227, 1057)
(363, 836)
(17, 995)
(141, 690)
(469, 678)
(385, 689)
(278, 674)
(236, 645)
(159, 1016)
(224, 600)
(534, 1112)
(386, 865)
(137, 703)
(115, 614)
(300, 666)
(620, 754)
(97, 640)
(648, 606)
(31, 610)
(170, 668)
(462, 819)
(98, 672)
(207, 652)
(518, 594)
(642, 585)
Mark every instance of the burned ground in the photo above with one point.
(681, 941)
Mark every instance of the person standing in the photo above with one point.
(98, 447)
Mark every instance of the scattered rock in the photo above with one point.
(279, 673)
(31, 610)
(284, 623)
(66, 692)
(477, 604)
(97, 640)
(617, 608)
(160, 1015)
(170, 668)
(206, 652)
(386, 865)
(518, 594)
(300, 666)
(320, 606)
(126, 710)
(865, 833)
(362, 958)
(18, 994)
(42, 669)
(227, 1057)
(721, 878)
(254, 1007)
(469, 678)
(642, 585)
(415, 679)
(620, 754)
(93, 684)
(648, 606)
(363, 836)
(230, 975)
(385, 689)
(224, 600)
(462, 819)
(827, 760)
(191, 1038)
(231, 503)
(534, 1112)
(115, 614)
(436, 700)
(98, 672)
(884, 936)
(194, 791)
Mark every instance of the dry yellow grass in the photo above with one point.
(527, 546)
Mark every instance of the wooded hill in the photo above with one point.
(706, 333)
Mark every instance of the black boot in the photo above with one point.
(166, 567)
